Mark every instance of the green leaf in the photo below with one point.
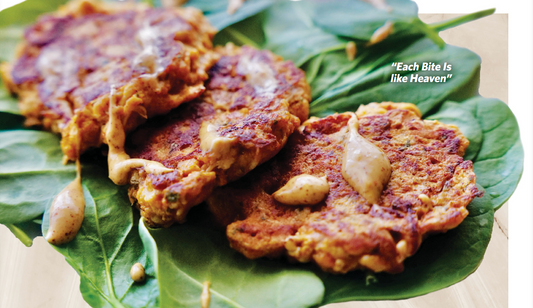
(27, 11)
(26, 231)
(10, 37)
(290, 33)
(360, 19)
(500, 160)
(31, 174)
(107, 245)
(187, 255)
(366, 83)
(216, 11)
(10, 121)
(441, 261)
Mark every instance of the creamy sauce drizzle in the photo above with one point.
(220, 147)
(119, 163)
(205, 298)
(259, 74)
(364, 166)
(148, 58)
(67, 212)
(303, 189)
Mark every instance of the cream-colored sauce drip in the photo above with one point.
(258, 74)
(147, 37)
(119, 163)
(220, 147)
(303, 189)
(205, 298)
(364, 166)
(67, 212)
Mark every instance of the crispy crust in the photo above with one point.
(344, 232)
(253, 120)
(156, 59)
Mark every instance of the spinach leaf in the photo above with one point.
(31, 174)
(500, 160)
(7, 102)
(107, 245)
(10, 37)
(26, 231)
(290, 33)
(373, 84)
(187, 255)
(216, 11)
(27, 11)
(359, 19)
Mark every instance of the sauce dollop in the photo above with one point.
(137, 273)
(303, 189)
(220, 147)
(364, 166)
(67, 212)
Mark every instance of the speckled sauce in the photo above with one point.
(67, 212)
(364, 166)
(303, 189)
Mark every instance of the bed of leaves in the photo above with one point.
(179, 259)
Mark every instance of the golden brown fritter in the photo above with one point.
(428, 191)
(253, 102)
(70, 61)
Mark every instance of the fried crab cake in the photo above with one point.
(70, 61)
(252, 103)
(429, 188)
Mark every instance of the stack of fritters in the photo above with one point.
(429, 189)
(253, 102)
(235, 115)
(70, 61)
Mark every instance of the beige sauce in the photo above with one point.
(119, 163)
(147, 37)
(220, 147)
(205, 298)
(137, 273)
(258, 74)
(303, 189)
(234, 5)
(351, 50)
(67, 212)
(381, 33)
(364, 166)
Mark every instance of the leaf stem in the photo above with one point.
(21, 235)
(241, 38)
(454, 22)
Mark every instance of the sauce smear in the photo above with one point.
(67, 212)
(364, 166)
